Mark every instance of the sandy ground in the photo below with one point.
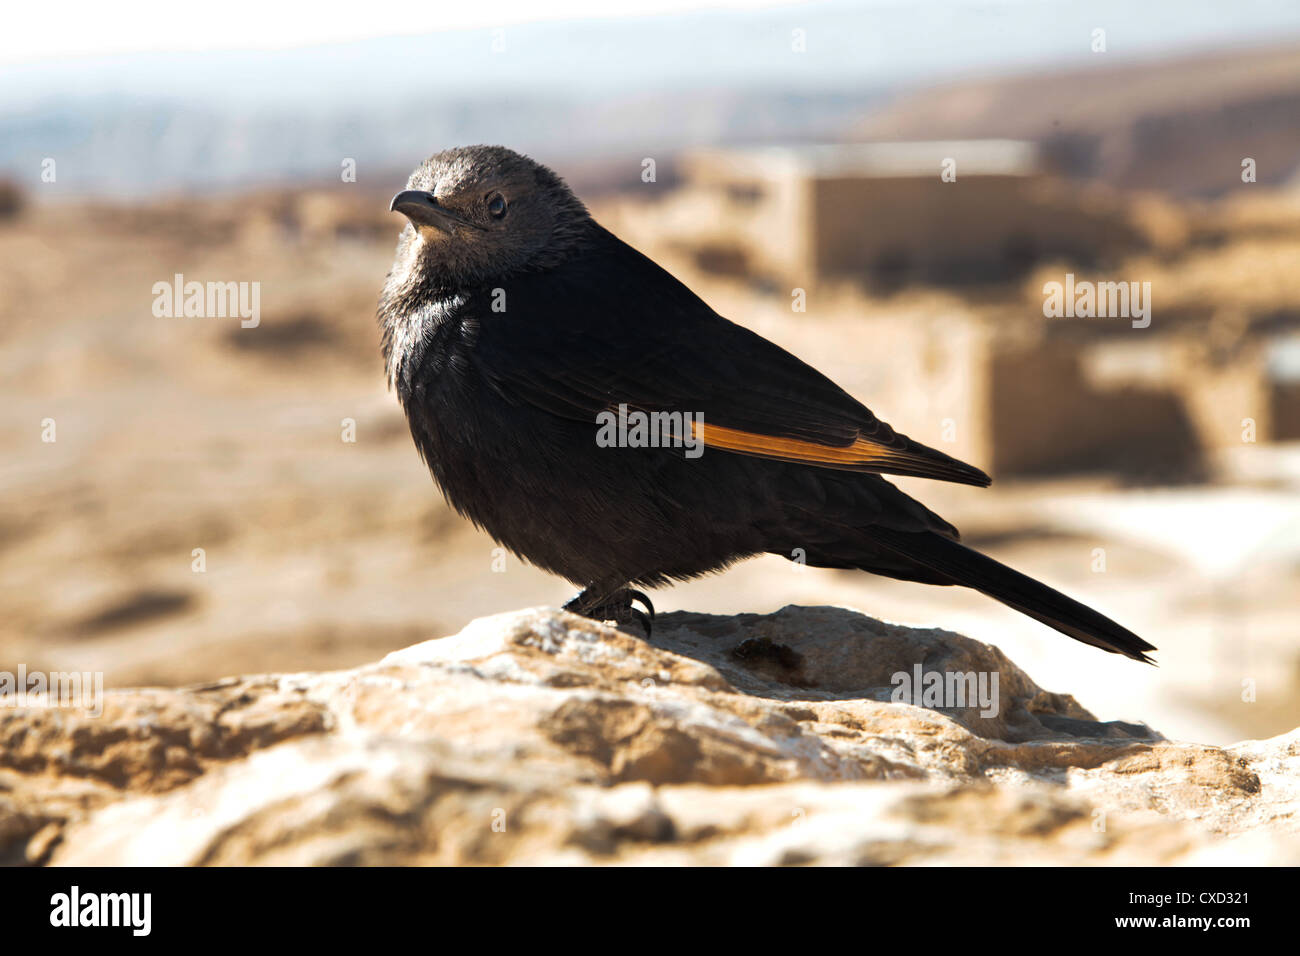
(181, 434)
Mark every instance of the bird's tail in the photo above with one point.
(962, 565)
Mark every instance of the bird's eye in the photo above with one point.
(496, 204)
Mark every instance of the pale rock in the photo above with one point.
(538, 737)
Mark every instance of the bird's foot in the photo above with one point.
(614, 606)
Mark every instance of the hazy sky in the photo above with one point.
(249, 54)
(35, 31)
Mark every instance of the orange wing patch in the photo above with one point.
(862, 454)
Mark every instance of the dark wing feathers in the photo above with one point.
(625, 331)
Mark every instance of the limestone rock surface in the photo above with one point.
(539, 737)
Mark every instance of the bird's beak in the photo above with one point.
(423, 210)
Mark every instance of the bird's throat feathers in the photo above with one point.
(409, 334)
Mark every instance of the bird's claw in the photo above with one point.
(616, 607)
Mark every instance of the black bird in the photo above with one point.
(511, 321)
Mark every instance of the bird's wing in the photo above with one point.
(611, 327)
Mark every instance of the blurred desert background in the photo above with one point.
(1153, 473)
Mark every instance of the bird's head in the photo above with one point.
(480, 213)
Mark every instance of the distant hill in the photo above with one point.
(1182, 125)
(131, 148)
